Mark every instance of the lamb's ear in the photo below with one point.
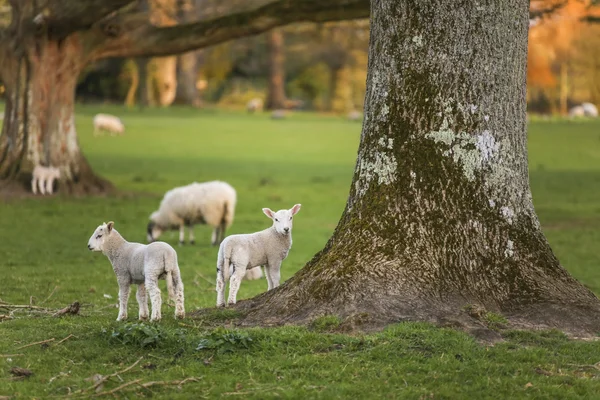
(295, 209)
(268, 212)
(110, 226)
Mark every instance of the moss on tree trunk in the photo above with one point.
(439, 214)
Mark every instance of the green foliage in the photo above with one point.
(225, 341)
(306, 158)
(138, 334)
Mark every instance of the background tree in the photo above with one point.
(276, 81)
(46, 45)
(440, 217)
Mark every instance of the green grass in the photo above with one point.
(306, 159)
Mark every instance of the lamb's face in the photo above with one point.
(153, 232)
(96, 242)
(282, 219)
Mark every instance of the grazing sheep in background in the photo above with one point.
(278, 114)
(211, 203)
(44, 178)
(576, 111)
(255, 104)
(268, 248)
(589, 110)
(142, 265)
(108, 123)
(354, 115)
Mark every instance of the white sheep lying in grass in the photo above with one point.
(268, 248)
(44, 177)
(211, 203)
(142, 265)
(108, 123)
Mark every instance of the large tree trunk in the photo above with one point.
(276, 84)
(440, 214)
(39, 128)
(187, 79)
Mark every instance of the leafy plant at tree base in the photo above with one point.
(225, 341)
(138, 334)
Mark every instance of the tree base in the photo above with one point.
(575, 320)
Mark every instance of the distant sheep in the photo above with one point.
(354, 115)
(255, 104)
(211, 203)
(142, 265)
(590, 110)
(108, 123)
(584, 110)
(44, 177)
(239, 254)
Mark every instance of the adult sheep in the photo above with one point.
(211, 203)
(108, 123)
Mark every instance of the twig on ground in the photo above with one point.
(115, 390)
(33, 344)
(102, 380)
(10, 355)
(67, 338)
(72, 309)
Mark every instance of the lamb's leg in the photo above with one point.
(49, 184)
(191, 234)
(155, 297)
(42, 185)
(124, 289)
(275, 274)
(221, 264)
(236, 280)
(181, 234)
(34, 185)
(268, 275)
(142, 298)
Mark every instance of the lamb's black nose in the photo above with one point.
(286, 229)
(89, 247)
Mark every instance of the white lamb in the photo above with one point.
(108, 123)
(255, 104)
(268, 248)
(211, 203)
(142, 265)
(44, 177)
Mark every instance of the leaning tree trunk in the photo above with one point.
(440, 214)
(39, 128)
(276, 84)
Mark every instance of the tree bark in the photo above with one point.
(439, 214)
(39, 128)
(187, 78)
(276, 84)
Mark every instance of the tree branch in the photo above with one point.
(131, 35)
(63, 17)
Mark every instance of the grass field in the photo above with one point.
(306, 159)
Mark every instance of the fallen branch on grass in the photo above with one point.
(72, 309)
(147, 385)
(65, 339)
(103, 379)
(33, 344)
